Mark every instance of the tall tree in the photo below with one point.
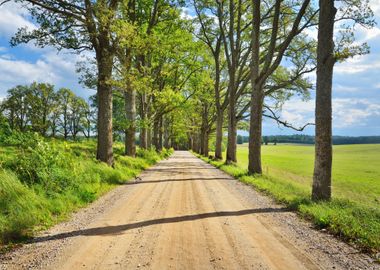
(80, 25)
(280, 37)
(323, 110)
(41, 101)
(66, 97)
(78, 112)
(327, 55)
(209, 33)
(15, 107)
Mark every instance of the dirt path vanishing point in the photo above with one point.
(185, 214)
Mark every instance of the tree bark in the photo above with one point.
(130, 109)
(204, 131)
(160, 134)
(149, 137)
(143, 116)
(232, 127)
(257, 97)
(254, 156)
(219, 135)
(323, 124)
(104, 91)
(166, 126)
(156, 131)
(205, 151)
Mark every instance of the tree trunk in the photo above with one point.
(219, 135)
(166, 126)
(325, 63)
(149, 137)
(204, 131)
(257, 97)
(160, 135)
(155, 139)
(189, 142)
(205, 144)
(232, 130)
(254, 156)
(219, 109)
(130, 109)
(143, 116)
(104, 91)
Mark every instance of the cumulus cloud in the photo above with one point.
(358, 64)
(50, 67)
(14, 71)
(347, 112)
(13, 16)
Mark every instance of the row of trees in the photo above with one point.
(39, 108)
(176, 78)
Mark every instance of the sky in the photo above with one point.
(356, 84)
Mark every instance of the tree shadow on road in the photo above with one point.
(119, 229)
(179, 180)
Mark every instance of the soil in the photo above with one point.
(185, 214)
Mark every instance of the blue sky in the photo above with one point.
(356, 88)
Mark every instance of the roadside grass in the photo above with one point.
(42, 181)
(354, 212)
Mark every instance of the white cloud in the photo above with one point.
(347, 112)
(375, 6)
(368, 33)
(345, 89)
(187, 13)
(358, 64)
(19, 72)
(13, 16)
(50, 67)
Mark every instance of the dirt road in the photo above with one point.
(185, 214)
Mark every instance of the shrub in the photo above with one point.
(20, 208)
(42, 163)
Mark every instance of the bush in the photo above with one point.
(43, 164)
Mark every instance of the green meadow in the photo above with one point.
(354, 212)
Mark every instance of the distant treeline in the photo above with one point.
(308, 139)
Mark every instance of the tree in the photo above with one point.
(327, 55)
(280, 38)
(80, 25)
(210, 34)
(265, 140)
(15, 107)
(233, 26)
(239, 139)
(323, 110)
(65, 97)
(40, 100)
(79, 108)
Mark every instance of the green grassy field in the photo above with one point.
(354, 212)
(356, 168)
(42, 181)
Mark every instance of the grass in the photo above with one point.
(354, 212)
(43, 184)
